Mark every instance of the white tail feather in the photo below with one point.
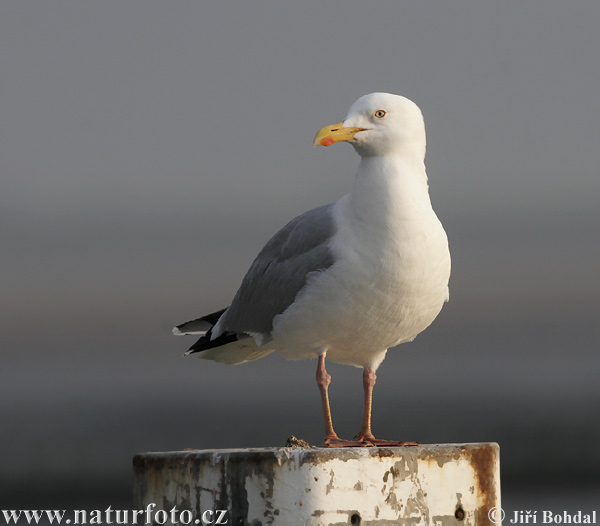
(177, 332)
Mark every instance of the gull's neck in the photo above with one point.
(389, 189)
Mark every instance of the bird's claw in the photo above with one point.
(362, 441)
(339, 442)
(371, 441)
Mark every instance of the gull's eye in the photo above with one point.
(380, 114)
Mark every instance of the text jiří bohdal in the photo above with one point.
(550, 517)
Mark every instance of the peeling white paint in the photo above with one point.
(422, 485)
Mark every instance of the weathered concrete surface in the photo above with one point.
(437, 485)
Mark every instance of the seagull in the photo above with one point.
(348, 280)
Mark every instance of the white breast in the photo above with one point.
(390, 278)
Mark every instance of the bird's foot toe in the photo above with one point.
(392, 443)
(370, 440)
(340, 442)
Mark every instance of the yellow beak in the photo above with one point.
(328, 135)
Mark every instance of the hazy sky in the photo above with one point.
(148, 150)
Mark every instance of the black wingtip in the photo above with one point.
(205, 343)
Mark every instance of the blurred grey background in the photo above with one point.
(148, 150)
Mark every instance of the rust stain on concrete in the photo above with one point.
(483, 460)
(243, 476)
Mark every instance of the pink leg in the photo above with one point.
(369, 379)
(323, 381)
(365, 434)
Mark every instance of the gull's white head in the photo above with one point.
(379, 124)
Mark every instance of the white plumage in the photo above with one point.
(349, 280)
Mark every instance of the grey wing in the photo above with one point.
(280, 271)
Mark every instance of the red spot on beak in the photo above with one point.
(327, 141)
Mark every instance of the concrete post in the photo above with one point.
(437, 485)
